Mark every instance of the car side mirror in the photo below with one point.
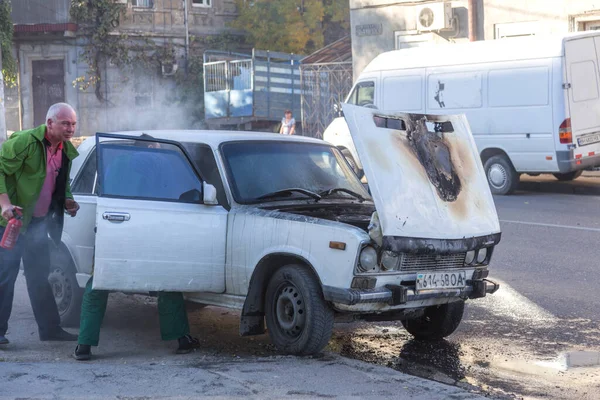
(210, 194)
(337, 109)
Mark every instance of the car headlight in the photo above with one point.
(389, 260)
(367, 261)
(481, 255)
(470, 257)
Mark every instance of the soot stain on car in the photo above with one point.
(434, 154)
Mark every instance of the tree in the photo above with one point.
(294, 26)
(9, 65)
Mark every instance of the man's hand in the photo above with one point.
(72, 207)
(8, 211)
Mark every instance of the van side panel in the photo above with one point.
(508, 106)
(402, 91)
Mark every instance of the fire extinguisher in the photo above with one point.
(13, 228)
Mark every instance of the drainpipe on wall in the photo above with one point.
(473, 20)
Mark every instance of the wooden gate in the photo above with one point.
(48, 87)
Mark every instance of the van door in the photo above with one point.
(582, 69)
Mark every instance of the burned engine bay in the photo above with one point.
(358, 215)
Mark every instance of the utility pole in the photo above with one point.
(187, 34)
(472, 20)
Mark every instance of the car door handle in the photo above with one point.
(114, 216)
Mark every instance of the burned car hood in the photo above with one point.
(424, 173)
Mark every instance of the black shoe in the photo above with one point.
(3, 340)
(83, 352)
(59, 336)
(187, 344)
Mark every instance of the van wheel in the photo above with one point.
(569, 176)
(437, 322)
(501, 175)
(66, 291)
(299, 320)
(348, 156)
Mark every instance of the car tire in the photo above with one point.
(569, 176)
(501, 175)
(348, 156)
(437, 322)
(299, 320)
(66, 291)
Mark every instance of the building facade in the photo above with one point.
(384, 25)
(49, 45)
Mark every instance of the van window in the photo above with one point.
(454, 90)
(363, 94)
(402, 93)
(521, 87)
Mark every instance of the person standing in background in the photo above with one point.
(288, 124)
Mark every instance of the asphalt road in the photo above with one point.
(550, 251)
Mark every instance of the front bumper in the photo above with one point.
(395, 295)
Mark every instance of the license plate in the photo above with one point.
(588, 139)
(441, 280)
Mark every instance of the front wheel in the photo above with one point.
(569, 176)
(299, 320)
(66, 291)
(501, 175)
(437, 322)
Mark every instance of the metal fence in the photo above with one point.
(323, 86)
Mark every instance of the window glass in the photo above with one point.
(260, 168)
(84, 183)
(203, 156)
(201, 3)
(143, 3)
(142, 171)
(363, 94)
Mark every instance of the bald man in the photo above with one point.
(34, 179)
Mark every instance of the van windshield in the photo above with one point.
(363, 94)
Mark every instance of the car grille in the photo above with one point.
(431, 262)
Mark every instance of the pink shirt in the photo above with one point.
(53, 164)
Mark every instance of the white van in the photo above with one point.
(533, 104)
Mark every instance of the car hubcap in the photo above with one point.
(291, 315)
(497, 176)
(61, 289)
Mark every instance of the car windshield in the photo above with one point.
(266, 171)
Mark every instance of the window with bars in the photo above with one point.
(202, 3)
(143, 3)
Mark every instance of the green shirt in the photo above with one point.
(23, 169)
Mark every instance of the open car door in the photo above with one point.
(153, 231)
(426, 177)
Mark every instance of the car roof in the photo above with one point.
(214, 138)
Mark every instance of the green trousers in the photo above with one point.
(171, 310)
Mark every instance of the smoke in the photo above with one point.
(141, 100)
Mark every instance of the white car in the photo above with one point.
(282, 229)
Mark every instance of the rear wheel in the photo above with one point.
(501, 175)
(66, 291)
(437, 322)
(569, 176)
(299, 320)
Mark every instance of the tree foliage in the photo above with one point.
(294, 26)
(9, 65)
